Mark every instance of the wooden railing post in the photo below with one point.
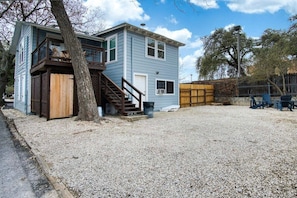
(123, 103)
(140, 102)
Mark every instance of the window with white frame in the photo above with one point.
(155, 49)
(165, 87)
(21, 52)
(110, 46)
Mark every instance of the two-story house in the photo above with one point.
(128, 65)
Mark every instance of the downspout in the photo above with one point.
(125, 55)
(178, 88)
(131, 56)
(26, 77)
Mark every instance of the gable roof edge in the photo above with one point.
(144, 32)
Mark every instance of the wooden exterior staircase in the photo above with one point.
(119, 97)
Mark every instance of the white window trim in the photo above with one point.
(156, 49)
(108, 48)
(166, 80)
(21, 51)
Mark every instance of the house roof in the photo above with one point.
(19, 25)
(144, 32)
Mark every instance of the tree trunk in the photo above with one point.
(86, 97)
(284, 84)
(276, 86)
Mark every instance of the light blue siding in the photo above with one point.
(114, 70)
(155, 69)
(22, 85)
(131, 60)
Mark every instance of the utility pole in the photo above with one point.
(237, 29)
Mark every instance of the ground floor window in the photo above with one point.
(164, 87)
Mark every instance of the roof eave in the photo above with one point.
(144, 32)
(18, 27)
(16, 35)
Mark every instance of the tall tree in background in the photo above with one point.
(6, 70)
(273, 57)
(86, 97)
(293, 37)
(220, 54)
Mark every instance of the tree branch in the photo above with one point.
(6, 10)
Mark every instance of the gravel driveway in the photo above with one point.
(205, 151)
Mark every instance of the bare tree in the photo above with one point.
(86, 97)
(39, 12)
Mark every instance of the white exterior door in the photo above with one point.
(140, 82)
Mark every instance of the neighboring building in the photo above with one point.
(125, 56)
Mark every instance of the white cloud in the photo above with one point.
(205, 4)
(195, 44)
(182, 35)
(115, 11)
(187, 60)
(173, 20)
(257, 6)
(187, 68)
(188, 63)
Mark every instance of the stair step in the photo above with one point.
(113, 95)
(130, 113)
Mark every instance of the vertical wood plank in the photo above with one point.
(61, 95)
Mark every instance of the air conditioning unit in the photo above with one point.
(161, 91)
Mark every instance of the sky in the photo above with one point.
(187, 21)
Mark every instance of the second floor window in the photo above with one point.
(110, 46)
(155, 49)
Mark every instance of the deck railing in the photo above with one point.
(117, 95)
(54, 51)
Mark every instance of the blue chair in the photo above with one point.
(285, 101)
(267, 100)
(254, 104)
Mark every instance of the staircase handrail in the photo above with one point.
(105, 80)
(139, 98)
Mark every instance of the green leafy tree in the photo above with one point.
(220, 56)
(6, 70)
(272, 57)
(293, 37)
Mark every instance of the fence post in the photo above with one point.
(204, 96)
(190, 97)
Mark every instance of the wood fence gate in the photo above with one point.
(195, 94)
(61, 95)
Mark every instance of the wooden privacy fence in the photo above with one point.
(195, 94)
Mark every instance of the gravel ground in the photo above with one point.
(205, 151)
